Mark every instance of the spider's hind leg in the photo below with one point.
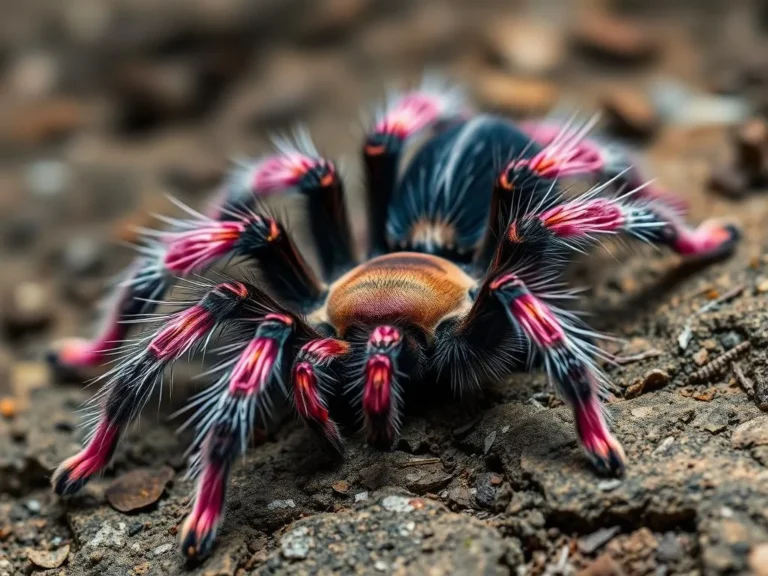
(130, 384)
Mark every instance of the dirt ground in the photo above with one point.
(107, 106)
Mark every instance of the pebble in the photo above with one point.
(652, 380)
(752, 149)
(701, 357)
(8, 407)
(398, 504)
(516, 95)
(662, 447)
(630, 113)
(281, 504)
(33, 506)
(603, 566)
(608, 485)
(82, 256)
(160, 550)
(489, 440)
(27, 308)
(361, 496)
(340, 487)
(758, 560)
(109, 536)
(297, 543)
(526, 46)
(669, 549)
(751, 433)
(47, 178)
(615, 38)
(594, 541)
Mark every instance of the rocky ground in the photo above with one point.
(105, 106)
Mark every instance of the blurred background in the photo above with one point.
(107, 106)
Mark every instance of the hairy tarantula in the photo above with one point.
(467, 241)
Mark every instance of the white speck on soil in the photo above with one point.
(296, 544)
(666, 443)
(160, 550)
(361, 496)
(380, 565)
(277, 504)
(489, 440)
(397, 504)
(109, 536)
(608, 485)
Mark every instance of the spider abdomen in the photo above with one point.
(404, 287)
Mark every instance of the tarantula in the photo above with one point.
(467, 242)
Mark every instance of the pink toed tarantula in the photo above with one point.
(460, 285)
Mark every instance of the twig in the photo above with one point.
(420, 462)
(650, 353)
(745, 382)
(706, 372)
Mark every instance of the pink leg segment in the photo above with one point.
(199, 529)
(74, 472)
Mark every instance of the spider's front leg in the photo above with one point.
(513, 303)
(131, 382)
(226, 413)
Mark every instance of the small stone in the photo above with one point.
(652, 380)
(608, 485)
(8, 407)
(729, 181)
(459, 497)
(361, 496)
(49, 559)
(751, 433)
(33, 506)
(82, 256)
(669, 549)
(761, 285)
(489, 440)
(593, 542)
(135, 528)
(340, 487)
(27, 308)
(758, 560)
(661, 448)
(296, 544)
(380, 566)
(398, 504)
(113, 537)
(706, 396)
(614, 38)
(752, 148)
(138, 489)
(603, 566)
(281, 504)
(526, 46)
(631, 113)
(160, 550)
(516, 95)
(47, 178)
(701, 357)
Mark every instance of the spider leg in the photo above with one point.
(392, 355)
(403, 116)
(131, 382)
(314, 377)
(226, 412)
(560, 340)
(193, 246)
(568, 151)
(581, 220)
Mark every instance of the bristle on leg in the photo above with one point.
(567, 352)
